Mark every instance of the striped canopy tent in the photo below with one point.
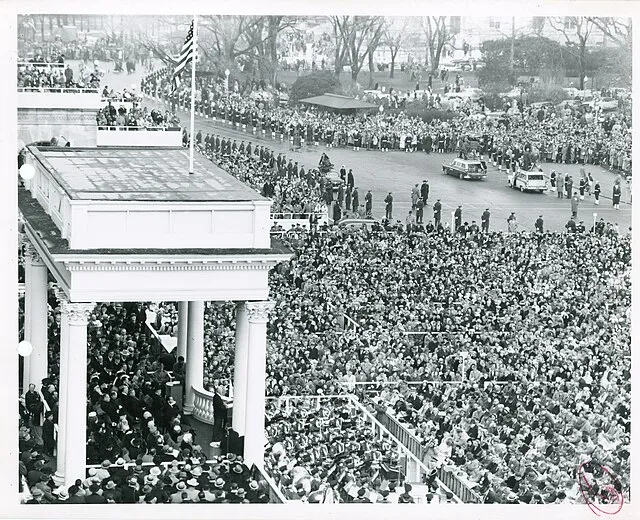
(338, 103)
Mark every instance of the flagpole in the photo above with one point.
(193, 93)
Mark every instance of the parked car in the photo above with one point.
(571, 103)
(607, 103)
(541, 104)
(465, 169)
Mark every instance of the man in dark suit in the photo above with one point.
(219, 416)
(424, 191)
(437, 212)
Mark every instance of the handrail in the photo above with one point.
(383, 429)
(276, 496)
(41, 63)
(58, 90)
(124, 128)
(425, 382)
(283, 216)
(446, 476)
(153, 335)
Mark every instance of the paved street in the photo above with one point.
(398, 172)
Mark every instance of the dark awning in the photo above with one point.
(338, 102)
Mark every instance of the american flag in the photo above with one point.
(186, 55)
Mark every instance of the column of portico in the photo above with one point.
(36, 327)
(240, 369)
(183, 312)
(71, 456)
(195, 353)
(26, 362)
(254, 440)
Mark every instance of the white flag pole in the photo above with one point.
(193, 92)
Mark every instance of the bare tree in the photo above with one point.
(576, 31)
(438, 35)
(619, 30)
(393, 43)
(340, 49)
(537, 25)
(361, 36)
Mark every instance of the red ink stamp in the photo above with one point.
(600, 488)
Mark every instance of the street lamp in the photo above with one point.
(594, 222)
(226, 83)
(453, 221)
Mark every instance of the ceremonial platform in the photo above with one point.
(132, 224)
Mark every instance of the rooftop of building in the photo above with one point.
(140, 174)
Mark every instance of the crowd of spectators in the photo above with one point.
(55, 77)
(562, 135)
(322, 451)
(129, 113)
(143, 448)
(546, 313)
(292, 189)
(543, 320)
(106, 48)
(542, 317)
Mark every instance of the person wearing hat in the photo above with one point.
(539, 225)
(37, 497)
(176, 497)
(74, 495)
(457, 218)
(437, 213)
(131, 492)
(111, 493)
(406, 498)
(95, 495)
(512, 498)
(388, 206)
(192, 491)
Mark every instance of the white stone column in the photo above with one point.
(26, 362)
(195, 353)
(240, 369)
(36, 285)
(254, 439)
(183, 312)
(71, 459)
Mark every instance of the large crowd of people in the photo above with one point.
(321, 451)
(142, 447)
(542, 317)
(555, 134)
(131, 114)
(506, 354)
(55, 77)
(292, 189)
